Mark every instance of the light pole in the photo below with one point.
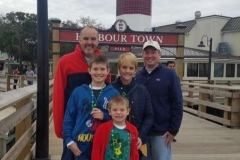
(42, 128)
(209, 55)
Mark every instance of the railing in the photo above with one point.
(2, 82)
(200, 99)
(8, 82)
(220, 82)
(19, 108)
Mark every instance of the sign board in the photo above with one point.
(118, 35)
(111, 38)
(119, 49)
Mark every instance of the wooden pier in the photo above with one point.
(202, 136)
(198, 139)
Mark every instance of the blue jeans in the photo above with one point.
(30, 82)
(68, 154)
(157, 149)
(15, 82)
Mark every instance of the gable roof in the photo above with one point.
(172, 27)
(232, 25)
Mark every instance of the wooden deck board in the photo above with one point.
(198, 139)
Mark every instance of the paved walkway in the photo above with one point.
(198, 139)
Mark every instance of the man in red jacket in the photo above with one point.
(71, 72)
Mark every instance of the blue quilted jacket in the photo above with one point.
(141, 113)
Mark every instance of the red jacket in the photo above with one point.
(101, 138)
(71, 72)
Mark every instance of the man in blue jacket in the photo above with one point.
(166, 95)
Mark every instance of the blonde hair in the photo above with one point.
(128, 57)
(118, 100)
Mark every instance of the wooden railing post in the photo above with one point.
(202, 108)
(21, 81)
(8, 82)
(227, 101)
(235, 103)
(190, 95)
(22, 127)
(180, 51)
(212, 97)
(226, 114)
(55, 44)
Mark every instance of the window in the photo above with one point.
(230, 70)
(197, 70)
(192, 70)
(203, 69)
(218, 69)
(238, 70)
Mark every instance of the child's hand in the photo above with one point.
(139, 143)
(74, 148)
(97, 113)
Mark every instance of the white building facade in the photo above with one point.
(225, 59)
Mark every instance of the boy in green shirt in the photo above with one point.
(116, 139)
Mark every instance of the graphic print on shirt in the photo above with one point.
(119, 145)
(86, 107)
(105, 104)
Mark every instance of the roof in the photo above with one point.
(214, 16)
(170, 52)
(172, 27)
(232, 25)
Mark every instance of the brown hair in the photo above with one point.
(170, 62)
(118, 100)
(99, 59)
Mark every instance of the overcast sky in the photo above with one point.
(163, 11)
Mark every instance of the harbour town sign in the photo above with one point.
(122, 36)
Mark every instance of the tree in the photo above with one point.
(82, 22)
(69, 24)
(25, 27)
(9, 42)
(88, 21)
